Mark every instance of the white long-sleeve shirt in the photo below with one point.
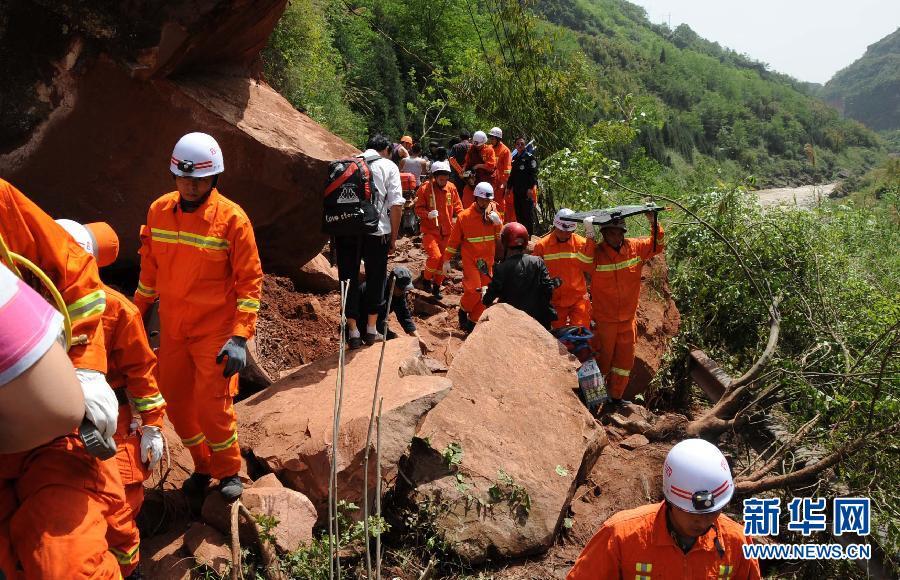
(387, 191)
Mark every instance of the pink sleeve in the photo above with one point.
(28, 326)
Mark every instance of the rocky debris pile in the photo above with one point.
(160, 70)
(287, 429)
(500, 457)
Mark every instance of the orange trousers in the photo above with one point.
(473, 280)
(200, 401)
(122, 535)
(577, 314)
(614, 344)
(54, 501)
(433, 244)
(510, 209)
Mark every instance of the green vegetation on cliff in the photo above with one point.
(869, 89)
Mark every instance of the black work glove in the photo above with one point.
(236, 351)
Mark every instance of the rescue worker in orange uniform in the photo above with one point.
(564, 252)
(480, 159)
(615, 289)
(476, 237)
(686, 536)
(437, 205)
(199, 257)
(54, 499)
(502, 170)
(132, 375)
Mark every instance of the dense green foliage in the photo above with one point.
(869, 89)
(550, 70)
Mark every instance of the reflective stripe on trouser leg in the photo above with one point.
(433, 246)
(472, 281)
(59, 530)
(622, 359)
(176, 383)
(122, 533)
(215, 407)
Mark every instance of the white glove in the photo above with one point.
(151, 445)
(495, 218)
(589, 227)
(100, 405)
(432, 214)
(445, 269)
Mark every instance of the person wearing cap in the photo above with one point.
(437, 205)
(480, 159)
(132, 375)
(684, 536)
(522, 184)
(564, 252)
(400, 151)
(199, 259)
(521, 280)
(475, 237)
(60, 478)
(615, 268)
(402, 285)
(502, 170)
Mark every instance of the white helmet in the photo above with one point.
(496, 132)
(440, 166)
(197, 155)
(479, 138)
(564, 225)
(484, 190)
(696, 477)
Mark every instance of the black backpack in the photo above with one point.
(347, 206)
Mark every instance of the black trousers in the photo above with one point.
(373, 251)
(524, 206)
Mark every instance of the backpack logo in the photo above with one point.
(348, 194)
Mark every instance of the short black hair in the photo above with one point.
(464, 135)
(378, 142)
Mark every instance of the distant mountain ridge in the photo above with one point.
(869, 89)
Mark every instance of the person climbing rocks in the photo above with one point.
(522, 184)
(373, 248)
(480, 158)
(402, 285)
(502, 169)
(475, 237)
(564, 252)
(615, 267)
(521, 280)
(132, 375)
(437, 205)
(684, 536)
(199, 259)
(61, 478)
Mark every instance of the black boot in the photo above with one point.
(196, 484)
(436, 291)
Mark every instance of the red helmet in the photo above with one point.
(514, 235)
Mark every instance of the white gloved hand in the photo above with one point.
(445, 269)
(495, 218)
(100, 405)
(151, 445)
(589, 227)
(432, 214)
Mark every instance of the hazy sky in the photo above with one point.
(809, 40)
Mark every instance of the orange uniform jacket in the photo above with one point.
(468, 196)
(33, 234)
(616, 276)
(566, 261)
(504, 164)
(204, 267)
(483, 155)
(448, 206)
(132, 363)
(472, 237)
(636, 544)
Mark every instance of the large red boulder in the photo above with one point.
(112, 109)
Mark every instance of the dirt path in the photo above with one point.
(803, 196)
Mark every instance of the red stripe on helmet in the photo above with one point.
(722, 488)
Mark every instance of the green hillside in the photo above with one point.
(553, 69)
(869, 89)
